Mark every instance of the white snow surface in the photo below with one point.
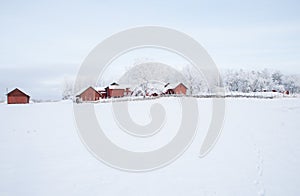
(258, 152)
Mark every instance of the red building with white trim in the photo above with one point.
(89, 94)
(17, 96)
(179, 89)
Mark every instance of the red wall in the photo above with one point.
(90, 95)
(116, 92)
(180, 89)
(17, 99)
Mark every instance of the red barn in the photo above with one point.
(114, 90)
(179, 89)
(16, 96)
(89, 94)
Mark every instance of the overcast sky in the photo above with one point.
(43, 42)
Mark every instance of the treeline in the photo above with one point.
(265, 80)
(245, 81)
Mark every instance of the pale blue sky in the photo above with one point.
(41, 42)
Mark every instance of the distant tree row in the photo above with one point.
(257, 81)
(245, 81)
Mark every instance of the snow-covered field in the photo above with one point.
(258, 152)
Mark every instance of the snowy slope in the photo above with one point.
(258, 152)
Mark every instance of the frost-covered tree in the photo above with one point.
(149, 88)
(277, 78)
(292, 83)
(194, 80)
(67, 91)
(253, 81)
(240, 80)
(151, 71)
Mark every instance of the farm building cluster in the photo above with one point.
(115, 90)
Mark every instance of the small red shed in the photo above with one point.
(89, 94)
(178, 88)
(16, 96)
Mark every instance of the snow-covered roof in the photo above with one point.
(84, 89)
(118, 86)
(19, 90)
(172, 86)
(99, 88)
